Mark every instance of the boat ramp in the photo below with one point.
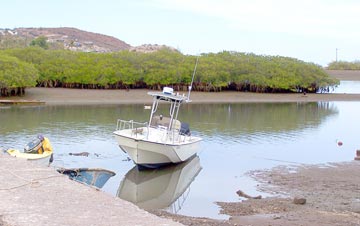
(31, 194)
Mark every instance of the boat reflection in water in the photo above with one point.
(90, 176)
(160, 188)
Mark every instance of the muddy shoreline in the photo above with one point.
(345, 75)
(62, 96)
(331, 193)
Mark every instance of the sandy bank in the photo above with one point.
(62, 96)
(346, 75)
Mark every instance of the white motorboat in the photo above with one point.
(162, 140)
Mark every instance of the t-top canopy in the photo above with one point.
(168, 97)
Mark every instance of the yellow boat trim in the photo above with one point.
(18, 154)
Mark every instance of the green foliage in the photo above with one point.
(40, 41)
(11, 41)
(344, 65)
(215, 72)
(15, 75)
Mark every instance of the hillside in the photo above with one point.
(70, 38)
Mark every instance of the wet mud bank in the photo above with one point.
(329, 195)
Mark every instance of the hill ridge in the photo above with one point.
(75, 39)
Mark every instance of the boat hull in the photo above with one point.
(152, 154)
(41, 159)
(90, 176)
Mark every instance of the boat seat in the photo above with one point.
(164, 121)
(185, 129)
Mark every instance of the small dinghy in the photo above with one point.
(38, 150)
(90, 176)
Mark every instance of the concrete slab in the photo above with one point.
(31, 194)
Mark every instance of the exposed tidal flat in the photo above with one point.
(62, 96)
(242, 139)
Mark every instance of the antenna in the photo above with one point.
(192, 80)
(336, 55)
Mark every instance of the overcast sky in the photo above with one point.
(310, 30)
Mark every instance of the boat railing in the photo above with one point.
(136, 127)
(175, 136)
(172, 135)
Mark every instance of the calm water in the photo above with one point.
(349, 87)
(237, 138)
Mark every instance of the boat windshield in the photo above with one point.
(159, 120)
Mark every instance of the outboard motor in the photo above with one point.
(185, 129)
(33, 146)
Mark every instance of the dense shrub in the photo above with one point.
(344, 65)
(15, 75)
(215, 72)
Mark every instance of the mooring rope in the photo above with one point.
(29, 182)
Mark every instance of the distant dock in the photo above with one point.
(20, 102)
